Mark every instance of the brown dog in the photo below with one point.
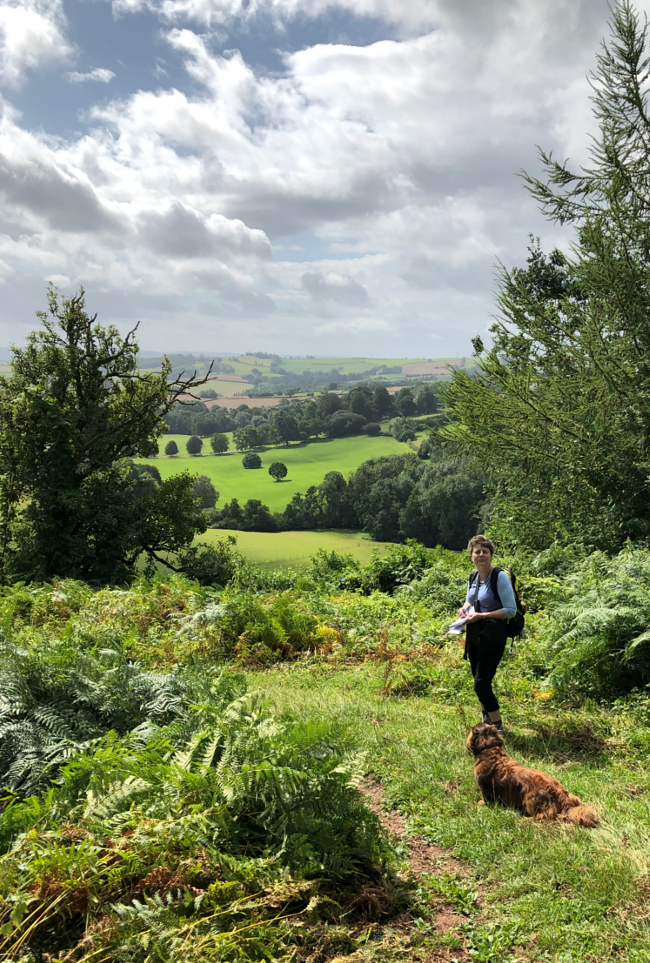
(502, 779)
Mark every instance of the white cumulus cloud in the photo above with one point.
(410, 13)
(32, 35)
(383, 176)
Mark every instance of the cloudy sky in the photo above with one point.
(304, 176)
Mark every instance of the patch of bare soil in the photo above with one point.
(423, 858)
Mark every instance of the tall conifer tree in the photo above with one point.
(559, 407)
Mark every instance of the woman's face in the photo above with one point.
(481, 554)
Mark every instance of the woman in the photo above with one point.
(485, 641)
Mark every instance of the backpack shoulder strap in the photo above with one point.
(494, 578)
(474, 581)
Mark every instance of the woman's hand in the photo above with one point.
(498, 614)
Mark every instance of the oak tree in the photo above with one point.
(73, 412)
(194, 445)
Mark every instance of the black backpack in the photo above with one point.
(515, 625)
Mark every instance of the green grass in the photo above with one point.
(227, 389)
(294, 549)
(523, 892)
(307, 464)
(546, 891)
(344, 365)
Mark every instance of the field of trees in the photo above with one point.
(207, 758)
(307, 464)
(243, 365)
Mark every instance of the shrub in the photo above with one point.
(278, 470)
(334, 571)
(251, 460)
(171, 448)
(373, 428)
(400, 566)
(214, 564)
(403, 429)
(264, 631)
(426, 448)
(194, 445)
(599, 643)
(443, 585)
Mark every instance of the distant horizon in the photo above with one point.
(5, 355)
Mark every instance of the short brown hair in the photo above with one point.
(480, 540)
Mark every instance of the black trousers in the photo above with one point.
(485, 643)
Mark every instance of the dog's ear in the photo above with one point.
(483, 737)
(474, 740)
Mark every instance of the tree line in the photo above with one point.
(424, 496)
(356, 412)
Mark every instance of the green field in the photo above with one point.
(243, 364)
(307, 464)
(294, 549)
(344, 365)
(227, 389)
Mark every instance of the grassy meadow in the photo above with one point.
(523, 891)
(307, 465)
(294, 549)
(228, 825)
(227, 389)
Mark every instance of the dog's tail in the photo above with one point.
(581, 816)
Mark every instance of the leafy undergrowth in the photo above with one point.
(227, 834)
(155, 811)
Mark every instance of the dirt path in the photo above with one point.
(423, 858)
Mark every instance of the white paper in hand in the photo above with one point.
(457, 627)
